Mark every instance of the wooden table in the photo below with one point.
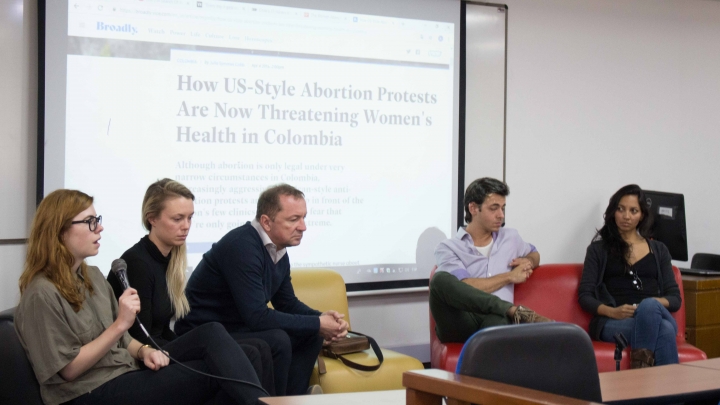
(666, 384)
(395, 397)
(698, 380)
(702, 319)
(428, 387)
(711, 363)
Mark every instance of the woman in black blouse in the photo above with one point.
(156, 269)
(628, 282)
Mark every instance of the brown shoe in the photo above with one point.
(641, 358)
(527, 315)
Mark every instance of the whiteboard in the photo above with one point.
(485, 83)
(18, 114)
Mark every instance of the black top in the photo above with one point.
(233, 283)
(146, 268)
(621, 282)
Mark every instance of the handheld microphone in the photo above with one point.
(119, 268)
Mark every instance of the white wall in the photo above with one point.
(601, 93)
(604, 93)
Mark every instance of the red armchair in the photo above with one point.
(552, 292)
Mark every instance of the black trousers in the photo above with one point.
(207, 348)
(260, 356)
(293, 358)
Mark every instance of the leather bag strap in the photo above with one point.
(363, 367)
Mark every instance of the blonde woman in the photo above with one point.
(74, 332)
(157, 263)
(156, 269)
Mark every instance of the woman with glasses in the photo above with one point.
(74, 332)
(628, 282)
(156, 269)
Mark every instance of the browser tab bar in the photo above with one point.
(248, 26)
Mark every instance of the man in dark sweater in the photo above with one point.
(248, 268)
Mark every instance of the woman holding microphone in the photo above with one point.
(75, 332)
(156, 269)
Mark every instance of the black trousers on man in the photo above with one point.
(293, 358)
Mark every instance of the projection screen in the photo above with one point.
(354, 103)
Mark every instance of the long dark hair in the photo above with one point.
(609, 234)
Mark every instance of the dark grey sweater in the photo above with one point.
(233, 283)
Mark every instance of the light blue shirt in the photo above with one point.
(459, 257)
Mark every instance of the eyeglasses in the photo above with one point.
(92, 222)
(637, 283)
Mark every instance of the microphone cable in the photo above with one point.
(158, 348)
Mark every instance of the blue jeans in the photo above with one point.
(652, 327)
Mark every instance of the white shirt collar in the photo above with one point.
(275, 254)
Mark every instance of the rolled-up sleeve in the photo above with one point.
(447, 260)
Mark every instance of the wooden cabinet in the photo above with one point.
(702, 313)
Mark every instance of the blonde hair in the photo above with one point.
(47, 252)
(153, 204)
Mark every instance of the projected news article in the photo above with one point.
(362, 128)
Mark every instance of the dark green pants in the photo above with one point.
(460, 310)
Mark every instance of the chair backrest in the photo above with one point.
(551, 357)
(552, 291)
(18, 384)
(705, 261)
(321, 289)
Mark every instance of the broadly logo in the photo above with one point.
(127, 28)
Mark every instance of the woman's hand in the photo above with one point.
(128, 307)
(154, 359)
(623, 312)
